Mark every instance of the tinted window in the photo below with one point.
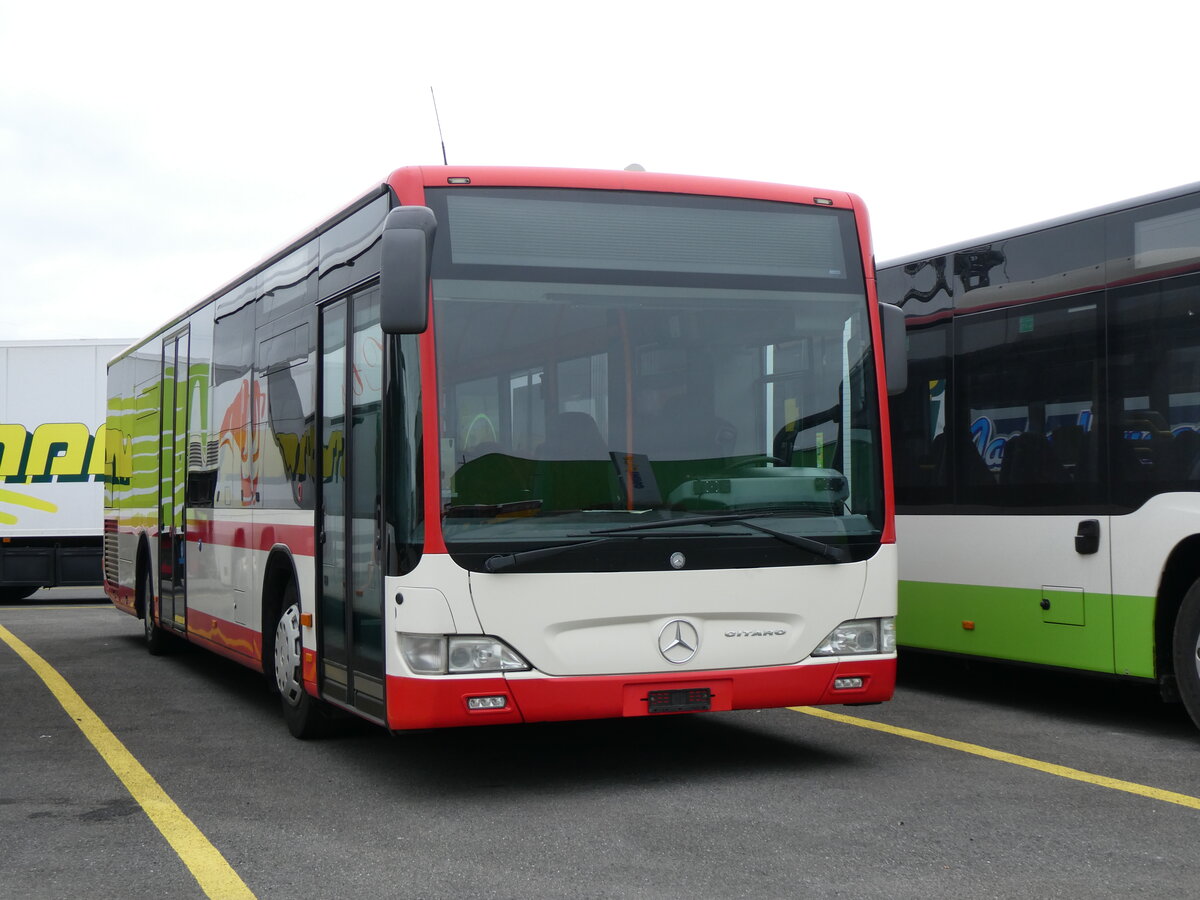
(920, 420)
(1156, 239)
(1037, 266)
(288, 285)
(349, 251)
(1155, 372)
(404, 506)
(1028, 392)
(284, 419)
(921, 288)
(233, 406)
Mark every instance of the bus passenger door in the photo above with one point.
(1026, 439)
(172, 454)
(349, 550)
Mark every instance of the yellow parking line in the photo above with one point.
(215, 876)
(1115, 784)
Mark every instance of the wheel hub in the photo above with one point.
(287, 655)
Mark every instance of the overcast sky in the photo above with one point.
(151, 151)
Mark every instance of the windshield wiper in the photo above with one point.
(503, 561)
(831, 552)
(820, 548)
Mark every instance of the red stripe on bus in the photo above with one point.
(409, 184)
(434, 542)
(862, 223)
(300, 539)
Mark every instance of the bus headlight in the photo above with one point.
(483, 654)
(859, 636)
(437, 654)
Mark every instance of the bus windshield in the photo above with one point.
(614, 359)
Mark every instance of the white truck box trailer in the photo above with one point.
(52, 414)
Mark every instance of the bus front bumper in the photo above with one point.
(450, 701)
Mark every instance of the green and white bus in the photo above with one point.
(1047, 448)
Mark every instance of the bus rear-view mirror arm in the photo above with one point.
(895, 348)
(408, 234)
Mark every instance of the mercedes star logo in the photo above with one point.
(678, 641)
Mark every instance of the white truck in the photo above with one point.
(52, 414)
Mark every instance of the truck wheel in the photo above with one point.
(305, 715)
(158, 642)
(1186, 652)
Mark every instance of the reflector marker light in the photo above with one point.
(823, 201)
(458, 179)
(499, 702)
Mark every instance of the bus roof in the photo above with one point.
(520, 176)
(1067, 219)
(618, 179)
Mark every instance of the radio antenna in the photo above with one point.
(439, 125)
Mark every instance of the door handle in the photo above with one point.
(1087, 537)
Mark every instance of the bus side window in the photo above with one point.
(919, 420)
(1029, 460)
(1029, 393)
(1155, 368)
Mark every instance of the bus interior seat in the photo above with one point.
(1068, 444)
(1028, 460)
(573, 436)
(974, 470)
(1145, 448)
(490, 475)
(1185, 455)
(575, 470)
(718, 436)
(913, 456)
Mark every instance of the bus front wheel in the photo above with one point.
(1186, 652)
(305, 714)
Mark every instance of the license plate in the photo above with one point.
(682, 700)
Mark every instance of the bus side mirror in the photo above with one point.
(895, 348)
(407, 250)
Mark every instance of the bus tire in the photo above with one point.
(1186, 652)
(158, 642)
(305, 715)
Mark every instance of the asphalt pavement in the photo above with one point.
(773, 803)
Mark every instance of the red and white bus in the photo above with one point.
(499, 445)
